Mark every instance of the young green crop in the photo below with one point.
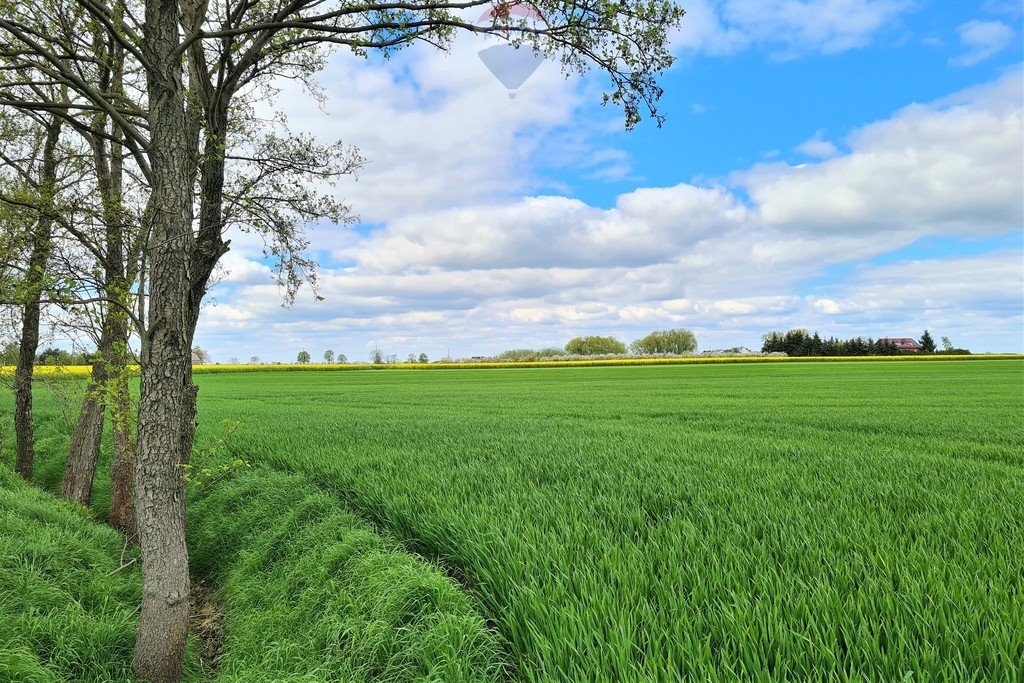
(796, 521)
(800, 521)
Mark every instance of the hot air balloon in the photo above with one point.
(511, 65)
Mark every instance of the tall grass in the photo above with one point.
(313, 593)
(65, 613)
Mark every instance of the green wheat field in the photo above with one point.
(796, 521)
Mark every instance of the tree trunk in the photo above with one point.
(160, 512)
(166, 370)
(85, 444)
(122, 510)
(84, 452)
(42, 247)
(120, 276)
(24, 431)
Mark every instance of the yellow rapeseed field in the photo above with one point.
(79, 371)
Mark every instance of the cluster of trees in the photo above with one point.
(329, 357)
(950, 349)
(928, 346)
(529, 355)
(255, 360)
(48, 356)
(378, 357)
(675, 342)
(131, 147)
(799, 342)
(660, 342)
(594, 346)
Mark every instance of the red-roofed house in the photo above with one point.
(903, 343)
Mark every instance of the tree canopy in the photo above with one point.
(595, 346)
(676, 341)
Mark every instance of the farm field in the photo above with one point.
(761, 521)
(658, 522)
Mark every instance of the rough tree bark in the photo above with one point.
(166, 368)
(121, 272)
(106, 378)
(122, 509)
(42, 246)
(85, 443)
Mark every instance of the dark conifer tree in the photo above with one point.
(927, 343)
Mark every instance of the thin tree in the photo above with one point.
(117, 251)
(35, 205)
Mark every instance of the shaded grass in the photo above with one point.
(63, 616)
(313, 593)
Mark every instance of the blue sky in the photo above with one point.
(758, 100)
(850, 166)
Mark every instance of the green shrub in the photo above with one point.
(678, 342)
(594, 346)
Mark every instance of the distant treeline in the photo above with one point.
(51, 356)
(801, 343)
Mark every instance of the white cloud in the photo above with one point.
(438, 129)
(703, 31)
(730, 262)
(646, 226)
(237, 269)
(818, 147)
(977, 301)
(828, 306)
(982, 39)
(790, 27)
(951, 167)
